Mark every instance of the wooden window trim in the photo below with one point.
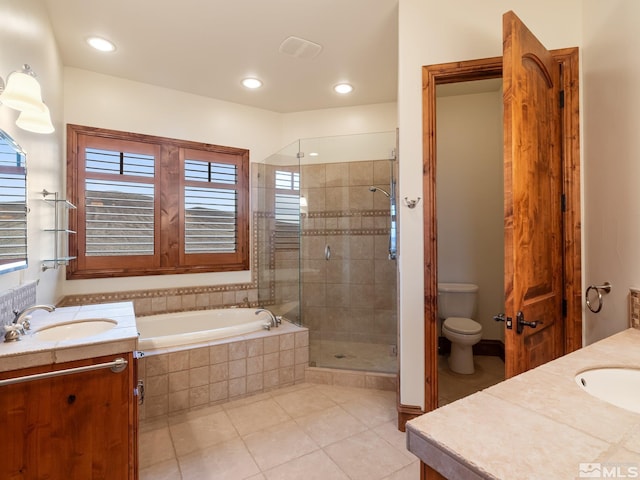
(169, 256)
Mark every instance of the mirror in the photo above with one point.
(13, 205)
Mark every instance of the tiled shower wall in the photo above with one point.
(351, 295)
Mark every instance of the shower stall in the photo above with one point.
(324, 227)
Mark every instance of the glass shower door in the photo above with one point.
(348, 281)
(276, 210)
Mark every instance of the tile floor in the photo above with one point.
(308, 431)
(453, 386)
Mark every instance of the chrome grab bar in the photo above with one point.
(116, 366)
(606, 288)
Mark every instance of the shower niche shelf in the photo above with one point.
(60, 230)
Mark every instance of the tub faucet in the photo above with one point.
(272, 318)
(21, 322)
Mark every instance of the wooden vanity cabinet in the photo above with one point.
(74, 426)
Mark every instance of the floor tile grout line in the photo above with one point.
(362, 394)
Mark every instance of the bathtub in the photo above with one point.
(205, 357)
(200, 326)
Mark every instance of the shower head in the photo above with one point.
(375, 189)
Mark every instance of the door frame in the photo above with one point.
(433, 75)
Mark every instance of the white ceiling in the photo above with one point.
(206, 47)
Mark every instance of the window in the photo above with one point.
(150, 205)
(287, 210)
(13, 205)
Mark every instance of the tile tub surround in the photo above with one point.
(553, 423)
(168, 300)
(31, 352)
(196, 376)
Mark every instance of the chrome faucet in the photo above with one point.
(21, 322)
(273, 320)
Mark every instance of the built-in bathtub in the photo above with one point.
(183, 328)
(205, 357)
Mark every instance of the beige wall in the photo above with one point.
(109, 102)
(119, 104)
(436, 31)
(26, 37)
(380, 117)
(611, 73)
(470, 200)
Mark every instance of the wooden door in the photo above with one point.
(533, 200)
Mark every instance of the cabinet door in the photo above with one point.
(75, 426)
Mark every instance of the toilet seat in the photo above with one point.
(463, 326)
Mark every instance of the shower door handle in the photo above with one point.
(327, 253)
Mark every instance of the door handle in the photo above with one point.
(521, 323)
(501, 317)
(327, 253)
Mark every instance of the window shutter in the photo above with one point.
(119, 210)
(13, 243)
(210, 212)
(287, 210)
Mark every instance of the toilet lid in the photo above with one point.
(462, 325)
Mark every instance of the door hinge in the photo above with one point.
(563, 202)
(561, 98)
(564, 307)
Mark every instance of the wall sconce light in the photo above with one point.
(22, 92)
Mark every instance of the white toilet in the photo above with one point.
(457, 304)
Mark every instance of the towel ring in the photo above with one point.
(600, 289)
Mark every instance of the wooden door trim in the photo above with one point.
(433, 75)
(568, 57)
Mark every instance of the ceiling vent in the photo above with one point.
(300, 48)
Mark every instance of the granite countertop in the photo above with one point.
(32, 352)
(537, 425)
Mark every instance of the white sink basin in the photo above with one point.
(617, 386)
(74, 330)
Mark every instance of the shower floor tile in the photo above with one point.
(372, 357)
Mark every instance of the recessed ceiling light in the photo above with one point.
(101, 44)
(343, 88)
(251, 83)
(313, 154)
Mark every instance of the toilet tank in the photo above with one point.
(457, 300)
